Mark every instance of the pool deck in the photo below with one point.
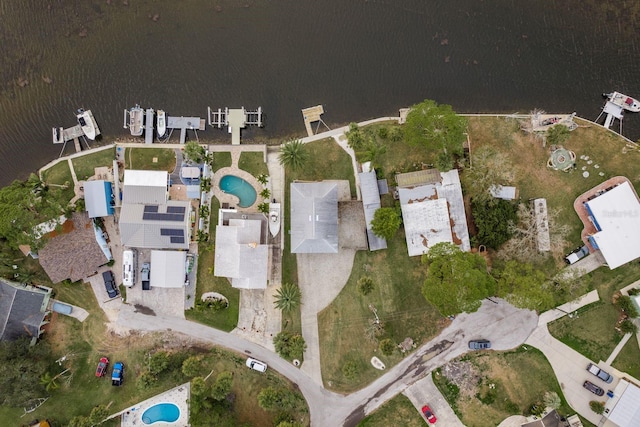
(132, 416)
(230, 199)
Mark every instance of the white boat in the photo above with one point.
(58, 135)
(86, 123)
(136, 116)
(624, 101)
(274, 218)
(161, 123)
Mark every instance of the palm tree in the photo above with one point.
(48, 381)
(293, 154)
(288, 297)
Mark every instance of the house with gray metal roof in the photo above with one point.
(163, 226)
(371, 203)
(434, 213)
(314, 217)
(240, 255)
(145, 187)
(22, 310)
(98, 198)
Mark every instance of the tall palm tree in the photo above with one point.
(293, 154)
(288, 297)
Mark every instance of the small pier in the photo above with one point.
(184, 124)
(74, 134)
(312, 115)
(148, 128)
(236, 119)
(613, 111)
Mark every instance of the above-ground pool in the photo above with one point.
(239, 187)
(165, 412)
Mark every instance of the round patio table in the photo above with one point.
(562, 159)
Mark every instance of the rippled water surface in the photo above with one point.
(358, 58)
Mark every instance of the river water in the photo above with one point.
(360, 59)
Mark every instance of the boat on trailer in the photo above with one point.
(161, 123)
(626, 102)
(274, 218)
(136, 117)
(86, 123)
(58, 135)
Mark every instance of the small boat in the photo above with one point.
(58, 135)
(161, 123)
(136, 115)
(624, 101)
(86, 123)
(274, 218)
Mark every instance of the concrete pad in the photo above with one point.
(424, 392)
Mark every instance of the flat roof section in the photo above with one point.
(421, 177)
(617, 211)
(168, 269)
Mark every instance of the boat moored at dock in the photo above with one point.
(58, 135)
(85, 120)
(626, 102)
(161, 123)
(274, 218)
(135, 122)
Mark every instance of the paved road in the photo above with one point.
(505, 325)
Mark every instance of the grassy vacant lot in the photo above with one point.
(253, 162)
(221, 159)
(327, 160)
(225, 319)
(84, 165)
(399, 411)
(592, 332)
(507, 383)
(345, 326)
(155, 159)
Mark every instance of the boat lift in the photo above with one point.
(613, 111)
(235, 119)
(75, 133)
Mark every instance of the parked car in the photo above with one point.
(256, 365)
(110, 284)
(428, 414)
(577, 255)
(145, 276)
(102, 367)
(117, 375)
(604, 376)
(479, 344)
(593, 388)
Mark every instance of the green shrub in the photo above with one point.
(628, 327)
(597, 407)
(365, 285)
(625, 304)
(350, 370)
(387, 347)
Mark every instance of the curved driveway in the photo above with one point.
(506, 326)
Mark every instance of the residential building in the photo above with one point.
(168, 269)
(623, 409)
(23, 309)
(314, 217)
(371, 203)
(98, 199)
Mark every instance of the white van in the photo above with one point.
(128, 268)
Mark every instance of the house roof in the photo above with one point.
(552, 419)
(434, 213)
(75, 254)
(168, 269)
(626, 409)
(164, 226)
(148, 187)
(421, 177)
(239, 254)
(371, 203)
(617, 215)
(97, 198)
(22, 310)
(314, 217)
(503, 192)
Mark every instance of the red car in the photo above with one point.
(102, 367)
(428, 414)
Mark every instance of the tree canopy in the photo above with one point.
(489, 166)
(288, 297)
(21, 369)
(293, 155)
(494, 220)
(456, 281)
(386, 222)
(290, 346)
(194, 151)
(437, 128)
(524, 286)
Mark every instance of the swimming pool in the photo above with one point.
(239, 187)
(166, 412)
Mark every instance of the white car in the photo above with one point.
(256, 365)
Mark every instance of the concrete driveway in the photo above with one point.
(424, 392)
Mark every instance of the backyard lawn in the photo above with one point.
(253, 162)
(221, 159)
(84, 165)
(58, 174)
(155, 159)
(398, 411)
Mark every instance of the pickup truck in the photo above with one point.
(145, 276)
(604, 376)
(117, 375)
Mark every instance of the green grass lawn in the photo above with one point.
(84, 165)
(345, 325)
(398, 411)
(225, 319)
(519, 377)
(627, 359)
(58, 174)
(157, 159)
(221, 159)
(253, 162)
(592, 332)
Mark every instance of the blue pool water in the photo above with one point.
(239, 187)
(167, 412)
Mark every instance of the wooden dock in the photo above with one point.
(74, 134)
(235, 119)
(312, 115)
(184, 124)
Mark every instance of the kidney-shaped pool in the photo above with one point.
(239, 187)
(165, 412)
